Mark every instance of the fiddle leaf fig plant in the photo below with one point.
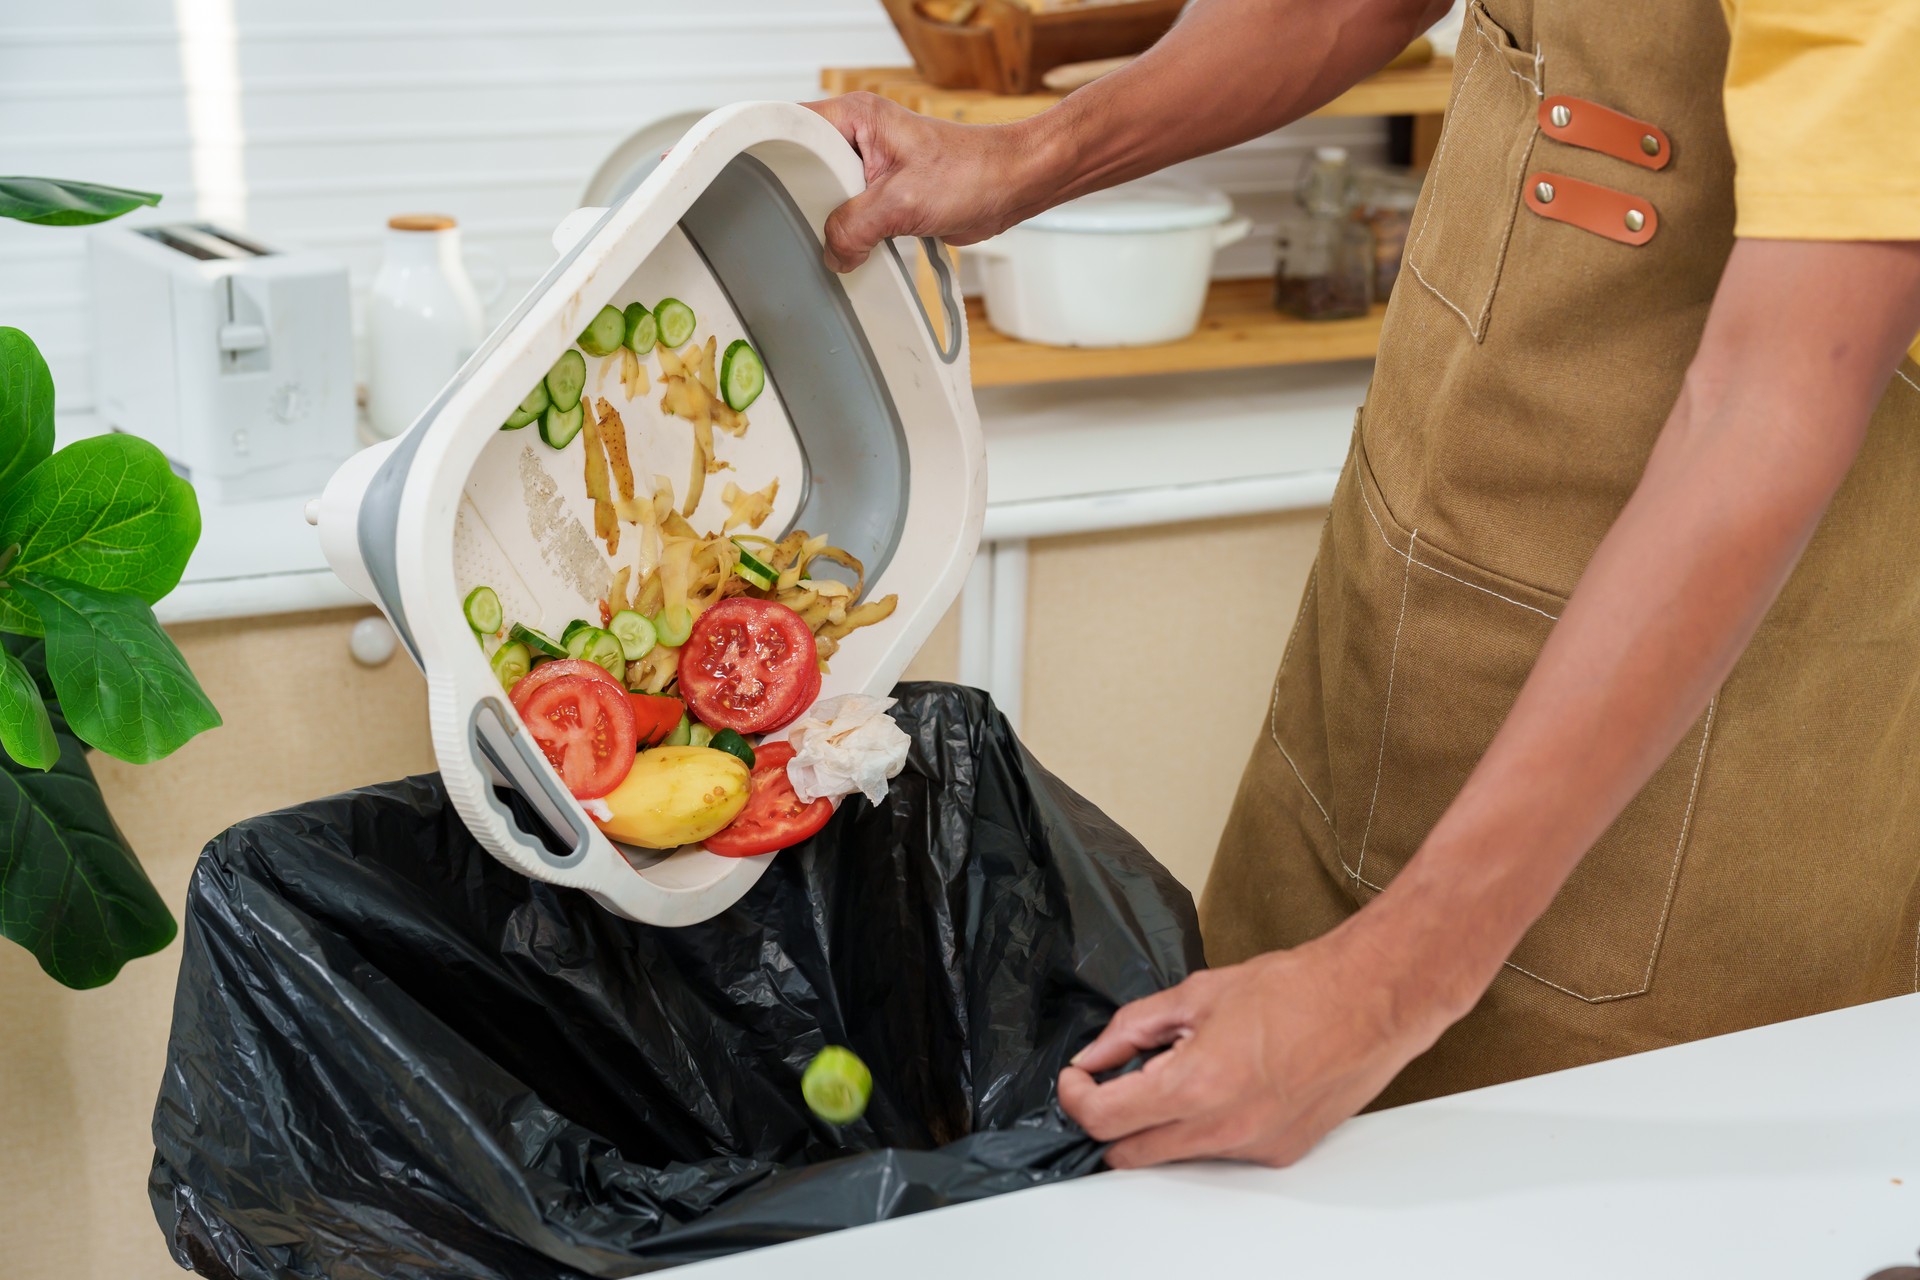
(91, 537)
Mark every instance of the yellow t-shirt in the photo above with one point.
(1823, 110)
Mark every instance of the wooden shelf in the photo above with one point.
(1411, 91)
(1239, 330)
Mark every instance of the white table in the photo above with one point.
(1788, 1151)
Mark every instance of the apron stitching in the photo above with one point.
(1386, 711)
(1412, 255)
(1506, 241)
(1273, 711)
(1408, 556)
(1902, 375)
(1673, 879)
(1533, 84)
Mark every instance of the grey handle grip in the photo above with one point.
(949, 297)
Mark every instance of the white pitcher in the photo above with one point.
(423, 319)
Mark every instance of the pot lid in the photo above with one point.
(1151, 205)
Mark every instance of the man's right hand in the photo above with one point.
(960, 183)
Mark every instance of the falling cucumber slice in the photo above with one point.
(483, 610)
(574, 628)
(604, 333)
(754, 570)
(643, 331)
(558, 429)
(568, 378)
(537, 642)
(699, 736)
(837, 1085)
(673, 626)
(730, 741)
(510, 663)
(636, 634)
(675, 319)
(742, 376)
(530, 408)
(681, 735)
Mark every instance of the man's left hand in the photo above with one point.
(1266, 1057)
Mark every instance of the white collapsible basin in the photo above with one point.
(1127, 267)
(867, 420)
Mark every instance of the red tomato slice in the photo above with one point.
(558, 669)
(774, 817)
(747, 666)
(655, 715)
(585, 727)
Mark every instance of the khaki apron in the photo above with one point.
(1771, 868)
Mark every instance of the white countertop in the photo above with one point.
(1061, 458)
(1788, 1151)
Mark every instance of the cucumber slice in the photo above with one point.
(543, 645)
(681, 735)
(675, 320)
(510, 663)
(483, 610)
(574, 628)
(643, 331)
(568, 378)
(699, 736)
(837, 1085)
(559, 428)
(604, 333)
(742, 376)
(601, 648)
(530, 408)
(673, 626)
(635, 633)
(730, 741)
(754, 570)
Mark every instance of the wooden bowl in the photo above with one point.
(1005, 48)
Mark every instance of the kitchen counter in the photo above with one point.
(1787, 1151)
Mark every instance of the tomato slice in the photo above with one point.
(585, 727)
(748, 665)
(557, 670)
(774, 817)
(655, 715)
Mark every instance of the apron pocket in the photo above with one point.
(1472, 191)
(1425, 655)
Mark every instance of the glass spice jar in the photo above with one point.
(1326, 268)
(1385, 202)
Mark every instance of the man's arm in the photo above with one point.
(1229, 70)
(1801, 341)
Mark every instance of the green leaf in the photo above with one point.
(106, 512)
(26, 730)
(26, 407)
(120, 681)
(71, 891)
(57, 202)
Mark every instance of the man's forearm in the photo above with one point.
(1230, 70)
(1774, 410)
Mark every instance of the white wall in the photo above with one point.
(308, 124)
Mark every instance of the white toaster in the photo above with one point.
(235, 359)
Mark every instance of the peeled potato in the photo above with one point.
(675, 796)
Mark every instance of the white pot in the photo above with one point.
(1127, 267)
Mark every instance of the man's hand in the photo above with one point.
(958, 182)
(1266, 1056)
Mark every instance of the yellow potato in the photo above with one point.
(676, 796)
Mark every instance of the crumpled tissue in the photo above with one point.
(846, 744)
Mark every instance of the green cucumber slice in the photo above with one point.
(483, 610)
(837, 1085)
(676, 320)
(574, 628)
(730, 741)
(643, 331)
(568, 378)
(681, 735)
(544, 645)
(558, 429)
(604, 333)
(699, 736)
(673, 626)
(742, 376)
(755, 570)
(601, 648)
(530, 408)
(510, 663)
(635, 633)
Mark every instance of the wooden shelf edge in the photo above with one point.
(1232, 335)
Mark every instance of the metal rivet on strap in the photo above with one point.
(1635, 219)
(1560, 116)
(1650, 144)
(1544, 190)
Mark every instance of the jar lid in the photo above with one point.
(421, 222)
(1152, 205)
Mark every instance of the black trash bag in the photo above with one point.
(394, 1057)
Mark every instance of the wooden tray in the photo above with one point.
(1007, 49)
